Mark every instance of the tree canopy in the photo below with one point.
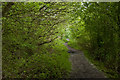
(34, 34)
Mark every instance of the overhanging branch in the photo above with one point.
(47, 41)
(7, 8)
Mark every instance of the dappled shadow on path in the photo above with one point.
(81, 67)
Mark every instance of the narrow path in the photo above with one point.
(81, 67)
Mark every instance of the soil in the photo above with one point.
(81, 67)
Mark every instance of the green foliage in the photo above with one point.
(96, 29)
(33, 33)
(39, 66)
(46, 66)
(74, 44)
(31, 47)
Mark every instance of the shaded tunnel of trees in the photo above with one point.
(34, 33)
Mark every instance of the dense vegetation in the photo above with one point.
(96, 30)
(31, 40)
(33, 37)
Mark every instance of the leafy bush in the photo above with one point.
(98, 35)
(46, 66)
(29, 46)
(39, 65)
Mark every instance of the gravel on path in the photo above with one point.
(81, 67)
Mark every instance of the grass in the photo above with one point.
(109, 73)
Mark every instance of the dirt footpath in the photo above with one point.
(81, 67)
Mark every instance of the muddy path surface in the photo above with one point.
(81, 67)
